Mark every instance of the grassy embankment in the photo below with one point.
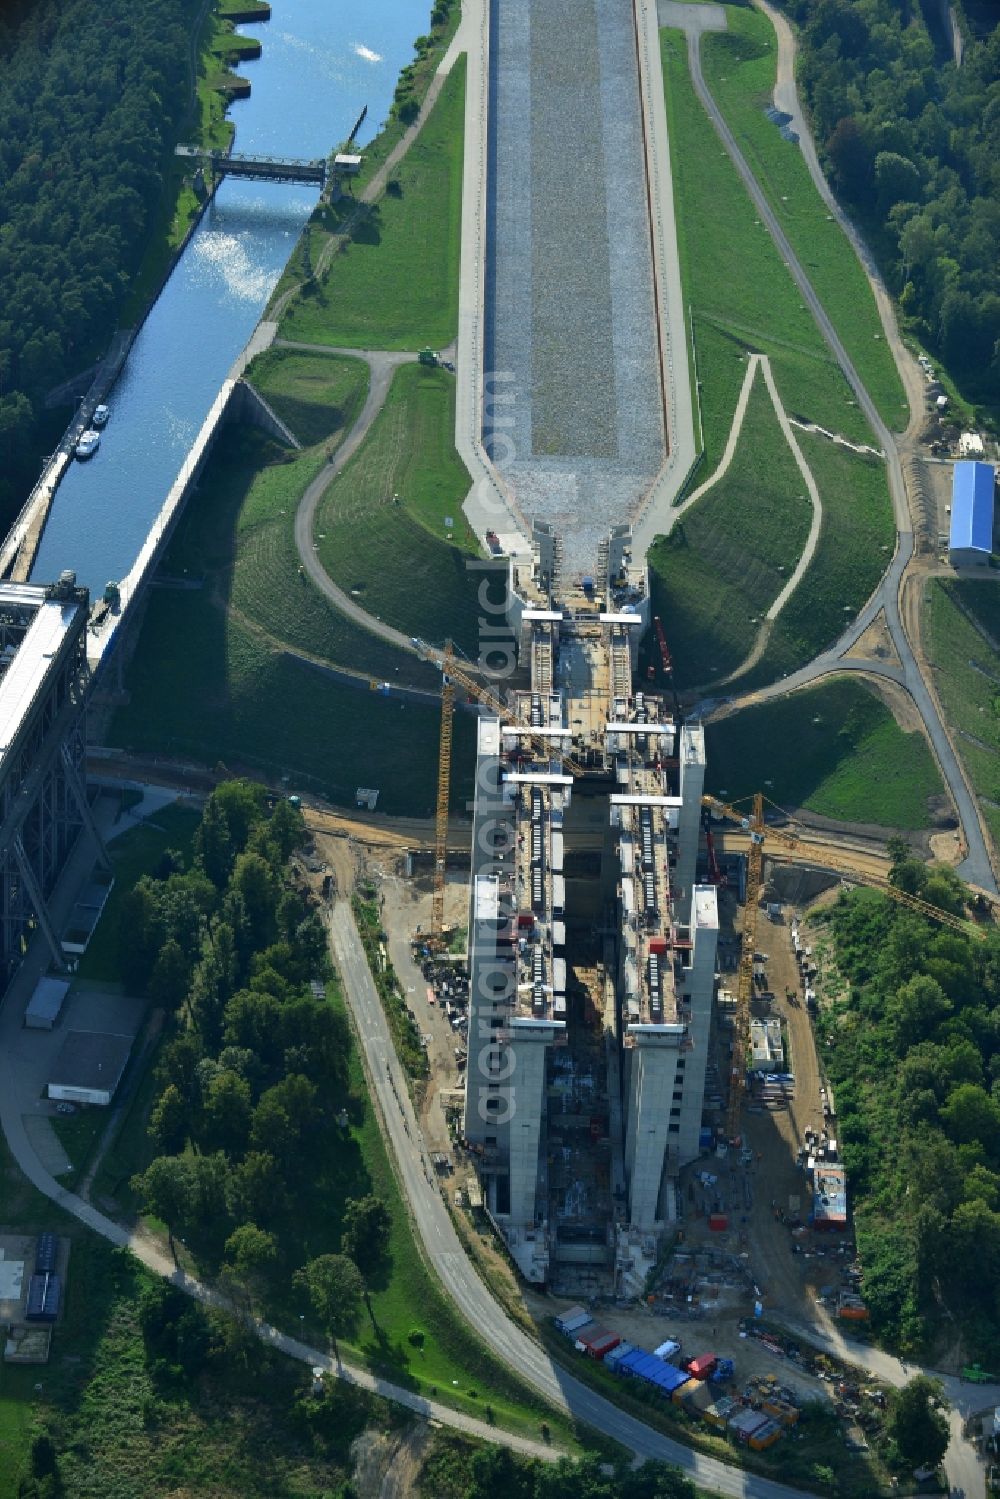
(210, 678)
(739, 65)
(381, 526)
(729, 556)
(318, 396)
(206, 125)
(394, 283)
(961, 632)
(742, 298)
(835, 750)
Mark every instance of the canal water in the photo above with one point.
(322, 62)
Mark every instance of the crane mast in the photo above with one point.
(744, 986)
(443, 796)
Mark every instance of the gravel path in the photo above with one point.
(383, 365)
(761, 362)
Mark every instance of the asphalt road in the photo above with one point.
(976, 866)
(382, 367)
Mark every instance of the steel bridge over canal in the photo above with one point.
(258, 168)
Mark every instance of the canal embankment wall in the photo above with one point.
(20, 546)
(237, 401)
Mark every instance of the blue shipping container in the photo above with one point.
(45, 1254)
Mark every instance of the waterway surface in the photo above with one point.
(322, 61)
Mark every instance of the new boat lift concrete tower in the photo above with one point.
(592, 971)
(43, 801)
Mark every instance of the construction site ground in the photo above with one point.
(787, 1283)
(772, 1186)
(726, 1273)
(406, 909)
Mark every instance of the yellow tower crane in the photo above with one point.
(443, 794)
(754, 825)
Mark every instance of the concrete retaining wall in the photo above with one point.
(247, 405)
(236, 402)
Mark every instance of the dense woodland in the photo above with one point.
(457, 1470)
(91, 99)
(912, 143)
(253, 1076)
(913, 1051)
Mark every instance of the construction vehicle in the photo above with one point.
(754, 824)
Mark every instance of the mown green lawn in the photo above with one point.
(739, 66)
(834, 749)
(855, 547)
(966, 671)
(718, 570)
(202, 685)
(394, 285)
(318, 396)
(743, 299)
(740, 294)
(238, 538)
(382, 525)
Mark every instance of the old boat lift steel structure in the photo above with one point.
(44, 682)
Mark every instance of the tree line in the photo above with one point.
(913, 1051)
(91, 102)
(912, 144)
(455, 1469)
(250, 1117)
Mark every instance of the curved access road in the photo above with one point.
(382, 366)
(786, 98)
(762, 362)
(976, 867)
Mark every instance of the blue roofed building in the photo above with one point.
(970, 540)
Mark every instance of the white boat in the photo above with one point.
(88, 444)
(100, 416)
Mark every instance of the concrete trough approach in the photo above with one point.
(570, 315)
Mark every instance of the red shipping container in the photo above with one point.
(718, 1222)
(596, 1342)
(702, 1366)
(658, 944)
